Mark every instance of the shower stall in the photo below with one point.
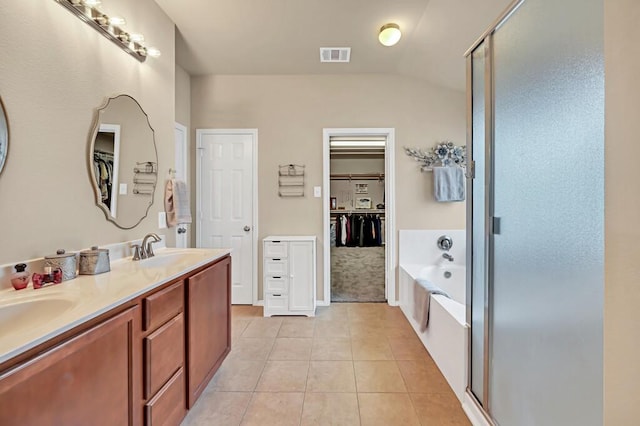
(536, 215)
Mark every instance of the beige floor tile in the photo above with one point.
(335, 409)
(331, 329)
(407, 348)
(297, 327)
(331, 349)
(246, 311)
(218, 409)
(439, 409)
(291, 349)
(423, 377)
(366, 330)
(237, 375)
(263, 327)
(274, 409)
(378, 376)
(251, 348)
(283, 376)
(403, 330)
(386, 409)
(337, 311)
(371, 349)
(331, 376)
(238, 326)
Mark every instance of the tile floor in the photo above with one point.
(353, 364)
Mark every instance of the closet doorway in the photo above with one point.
(359, 237)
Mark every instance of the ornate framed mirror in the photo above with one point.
(123, 161)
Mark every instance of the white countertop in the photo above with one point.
(61, 307)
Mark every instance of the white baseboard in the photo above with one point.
(473, 412)
(322, 303)
(259, 303)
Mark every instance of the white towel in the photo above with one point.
(176, 202)
(448, 183)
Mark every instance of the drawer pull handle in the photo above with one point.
(277, 260)
(275, 242)
(277, 278)
(277, 295)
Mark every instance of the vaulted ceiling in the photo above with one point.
(284, 36)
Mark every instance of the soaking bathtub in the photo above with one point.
(446, 337)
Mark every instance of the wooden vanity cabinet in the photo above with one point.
(90, 379)
(208, 325)
(143, 363)
(164, 385)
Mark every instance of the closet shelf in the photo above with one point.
(361, 211)
(357, 176)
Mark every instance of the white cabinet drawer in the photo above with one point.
(277, 249)
(276, 302)
(276, 284)
(276, 268)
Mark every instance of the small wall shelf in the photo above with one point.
(291, 180)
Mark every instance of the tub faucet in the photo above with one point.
(146, 248)
(447, 256)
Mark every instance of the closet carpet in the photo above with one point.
(357, 274)
(353, 364)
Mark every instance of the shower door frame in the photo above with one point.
(472, 403)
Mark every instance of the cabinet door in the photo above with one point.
(91, 379)
(208, 325)
(302, 275)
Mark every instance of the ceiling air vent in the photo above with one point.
(335, 54)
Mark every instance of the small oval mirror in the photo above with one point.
(123, 161)
(4, 136)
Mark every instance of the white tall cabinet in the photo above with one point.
(289, 275)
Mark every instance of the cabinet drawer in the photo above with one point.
(163, 354)
(168, 407)
(276, 302)
(163, 305)
(276, 267)
(276, 284)
(276, 249)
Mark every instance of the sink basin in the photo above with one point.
(24, 311)
(169, 257)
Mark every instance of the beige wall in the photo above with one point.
(290, 112)
(622, 210)
(55, 71)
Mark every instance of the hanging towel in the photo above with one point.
(423, 289)
(176, 202)
(448, 183)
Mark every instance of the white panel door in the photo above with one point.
(180, 134)
(301, 261)
(225, 203)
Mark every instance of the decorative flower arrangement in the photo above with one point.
(443, 154)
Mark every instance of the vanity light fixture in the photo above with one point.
(110, 27)
(389, 34)
(153, 52)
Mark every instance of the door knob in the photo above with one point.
(247, 228)
(181, 230)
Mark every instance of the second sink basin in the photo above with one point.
(37, 309)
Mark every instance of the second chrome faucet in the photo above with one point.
(145, 250)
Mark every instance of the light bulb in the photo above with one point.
(389, 34)
(92, 3)
(153, 52)
(117, 21)
(136, 38)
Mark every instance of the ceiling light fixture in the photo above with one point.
(110, 27)
(389, 34)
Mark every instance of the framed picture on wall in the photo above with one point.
(333, 203)
(362, 188)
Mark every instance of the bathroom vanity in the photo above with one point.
(134, 346)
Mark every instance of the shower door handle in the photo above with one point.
(495, 225)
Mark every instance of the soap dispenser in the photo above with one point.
(20, 278)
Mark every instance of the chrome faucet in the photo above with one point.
(146, 248)
(447, 256)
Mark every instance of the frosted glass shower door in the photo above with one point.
(548, 253)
